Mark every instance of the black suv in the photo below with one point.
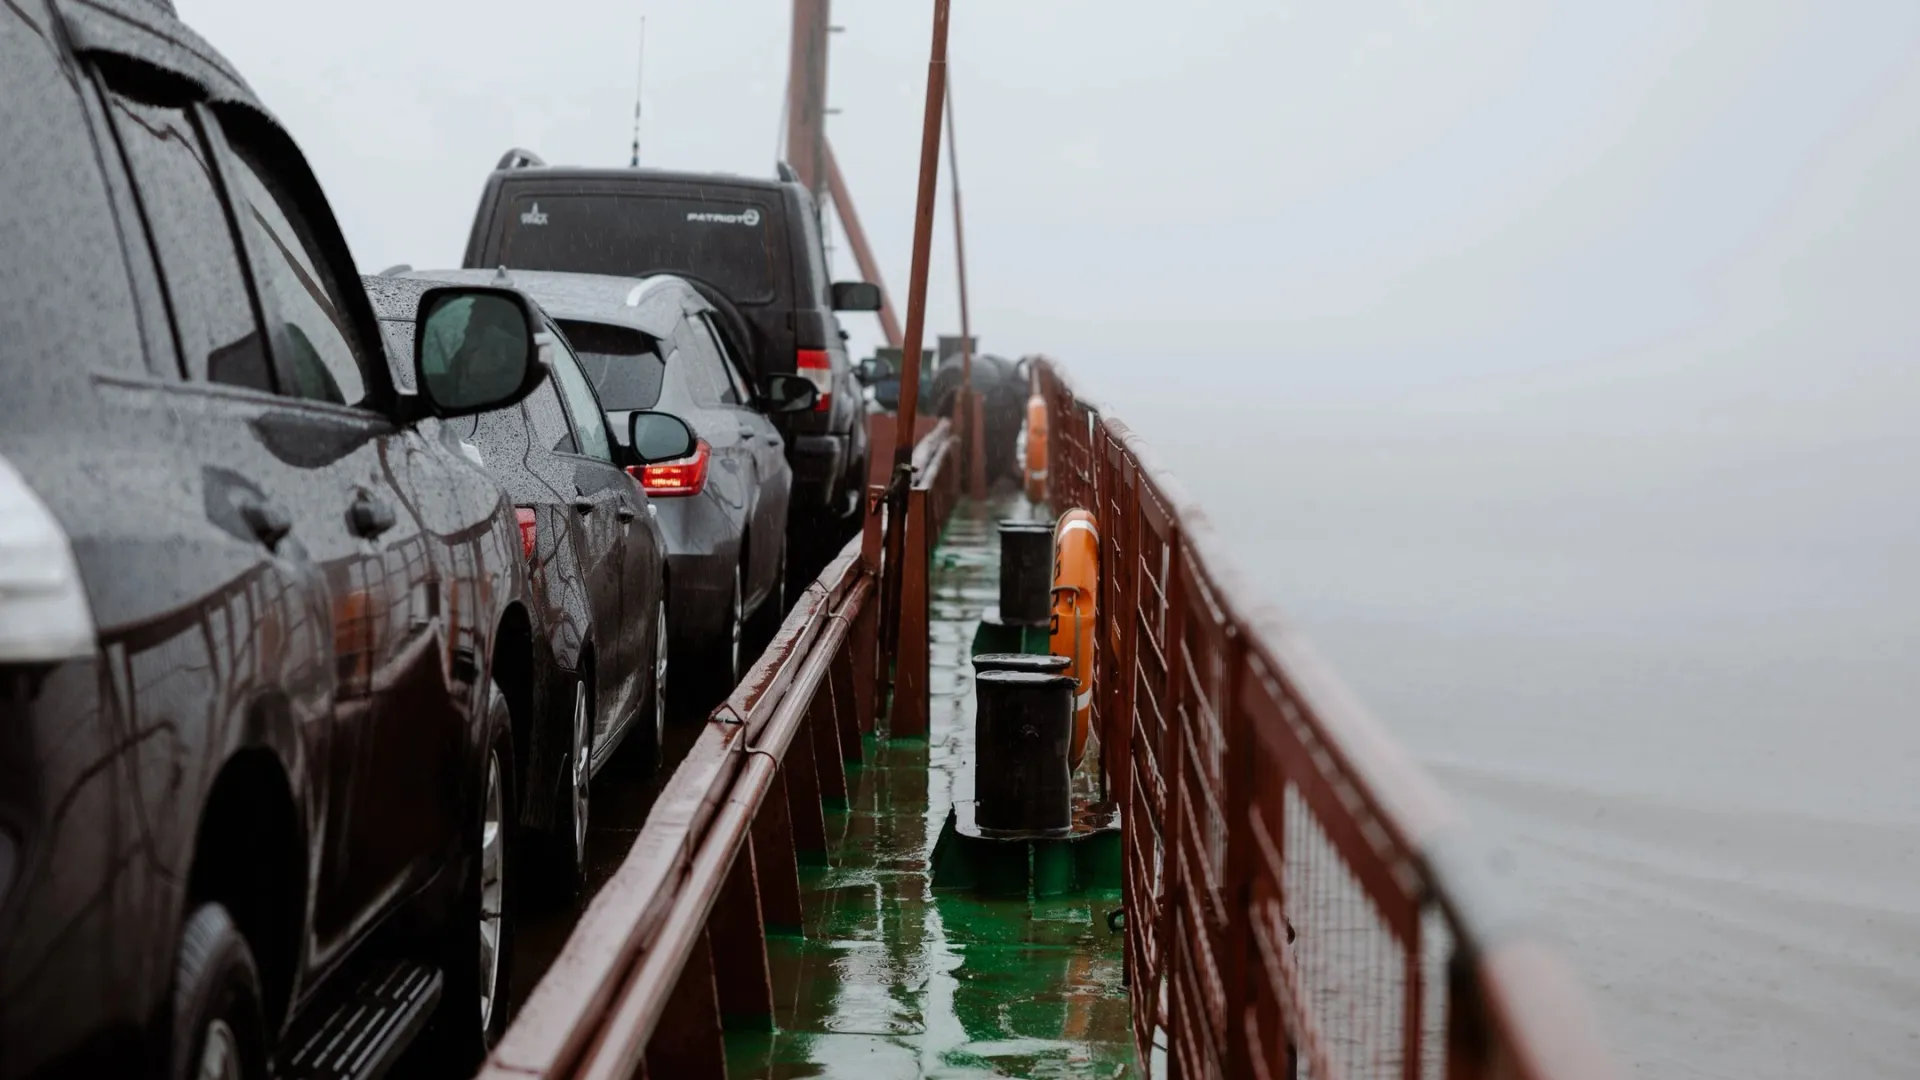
(751, 246)
(262, 630)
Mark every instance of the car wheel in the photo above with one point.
(219, 1032)
(736, 630)
(477, 946)
(716, 668)
(772, 610)
(580, 779)
(660, 635)
(853, 496)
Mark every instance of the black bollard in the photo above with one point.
(1021, 779)
(1026, 572)
(1044, 663)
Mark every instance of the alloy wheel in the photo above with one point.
(219, 1053)
(660, 675)
(738, 629)
(582, 767)
(493, 869)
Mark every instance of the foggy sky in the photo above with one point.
(1552, 363)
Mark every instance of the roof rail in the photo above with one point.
(517, 158)
(395, 270)
(785, 172)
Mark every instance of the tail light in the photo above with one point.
(813, 364)
(682, 476)
(528, 530)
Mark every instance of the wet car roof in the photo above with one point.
(650, 304)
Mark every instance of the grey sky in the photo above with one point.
(1554, 363)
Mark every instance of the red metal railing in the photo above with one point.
(676, 939)
(1301, 899)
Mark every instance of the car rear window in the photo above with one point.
(728, 243)
(624, 364)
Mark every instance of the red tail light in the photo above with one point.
(684, 476)
(813, 363)
(525, 516)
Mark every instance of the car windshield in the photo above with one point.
(624, 364)
(726, 243)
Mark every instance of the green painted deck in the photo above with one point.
(891, 980)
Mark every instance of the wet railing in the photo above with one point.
(1301, 899)
(672, 951)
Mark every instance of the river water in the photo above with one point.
(1670, 667)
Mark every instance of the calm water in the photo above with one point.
(1674, 671)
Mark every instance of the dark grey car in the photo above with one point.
(598, 564)
(650, 345)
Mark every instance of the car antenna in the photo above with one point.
(500, 276)
(639, 84)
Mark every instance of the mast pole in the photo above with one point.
(922, 238)
(967, 408)
(893, 614)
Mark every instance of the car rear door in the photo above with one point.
(763, 443)
(607, 506)
(406, 655)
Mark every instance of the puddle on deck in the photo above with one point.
(892, 980)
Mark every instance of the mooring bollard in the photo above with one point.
(1026, 572)
(1021, 779)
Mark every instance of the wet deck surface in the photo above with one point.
(892, 980)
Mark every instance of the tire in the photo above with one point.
(766, 619)
(219, 1028)
(564, 865)
(477, 943)
(657, 706)
(719, 663)
(855, 485)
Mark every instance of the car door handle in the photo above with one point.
(583, 504)
(626, 513)
(748, 431)
(268, 521)
(369, 516)
(773, 440)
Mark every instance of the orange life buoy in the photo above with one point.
(1076, 584)
(1036, 448)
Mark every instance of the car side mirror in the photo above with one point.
(788, 393)
(654, 437)
(475, 349)
(856, 296)
(886, 393)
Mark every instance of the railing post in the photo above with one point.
(1173, 772)
(776, 864)
(1237, 758)
(740, 950)
(803, 801)
(823, 726)
(688, 1041)
(847, 698)
(912, 658)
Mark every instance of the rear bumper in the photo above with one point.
(819, 462)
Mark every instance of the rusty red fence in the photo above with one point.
(1301, 899)
(673, 948)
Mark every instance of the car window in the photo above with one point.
(589, 423)
(212, 314)
(550, 427)
(736, 392)
(623, 364)
(699, 364)
(59, 253)
(729, 242)
(816, 289)
(299, 298)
